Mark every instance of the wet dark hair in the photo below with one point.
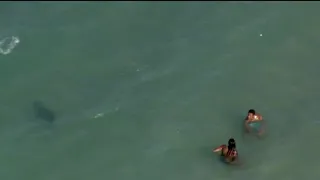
(252, 111)
(231, 143)
(231, 147)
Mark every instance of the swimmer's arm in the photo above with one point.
(263, 128)
(246, 124)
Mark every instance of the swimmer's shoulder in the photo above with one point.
(225, 150)
(259, 117)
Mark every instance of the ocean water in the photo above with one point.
(138, 91)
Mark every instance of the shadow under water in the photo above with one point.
(42, 112)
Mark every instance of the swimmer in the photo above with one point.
(229, 153)
(251, 118)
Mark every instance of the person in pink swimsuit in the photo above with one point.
(228, 153)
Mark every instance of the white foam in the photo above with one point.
(7, 44)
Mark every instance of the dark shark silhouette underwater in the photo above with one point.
(42, 112)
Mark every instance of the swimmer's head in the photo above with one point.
(231, 143)
(251, 113)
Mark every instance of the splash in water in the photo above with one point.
(7, 44)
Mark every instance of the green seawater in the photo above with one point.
(145, 90)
